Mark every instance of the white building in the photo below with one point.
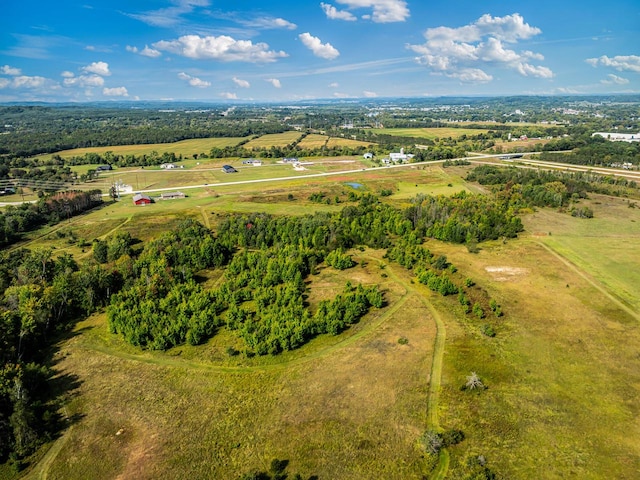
(401, 157)
(619, 137)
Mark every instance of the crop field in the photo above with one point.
(184, 147)
(341, 142)
(524, 144)
(313, 140)
(562, 372)
(273, 140)
(429, 133)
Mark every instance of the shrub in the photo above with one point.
(477, 310)
(488, 330)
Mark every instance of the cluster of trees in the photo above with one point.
(262, 297)
(15, 220)
(527, 188)
(588, 150)
(48, 178)
(40, 297)
(464, 217)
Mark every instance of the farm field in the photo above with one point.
(184, 147)
(274, 140)
(562, 371)
(429, 133)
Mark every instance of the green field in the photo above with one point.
(274, 140)
(562, 371)
(429, 133)
(184, 147)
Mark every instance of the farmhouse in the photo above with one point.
(228, 169)
(171, 195)
(395, 157)
(140, 199)
(368, 155)
(168, 166)
(290, 160)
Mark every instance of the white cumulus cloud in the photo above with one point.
(241, 83)
(383, 11)
(145, 52)
(465, 52)
(319, 49)
(229, 95)
(7, 70)
(334, 14)
(97, 68)
(115, 92)
(622, 63)
(23, 81)
(222, 48)
(194, 81)
(275, 82)
(369, 94)
(83, 81)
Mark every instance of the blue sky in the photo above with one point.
(288, 50)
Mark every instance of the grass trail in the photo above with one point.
(435, 375)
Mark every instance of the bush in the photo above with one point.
(477, 310)
(452, 437)
(338, 259)
(488, 330)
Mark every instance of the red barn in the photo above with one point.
(139, 199)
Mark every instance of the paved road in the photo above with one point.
(475, 159)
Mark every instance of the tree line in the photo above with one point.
(51, 209)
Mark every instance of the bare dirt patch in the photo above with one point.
(505, 274)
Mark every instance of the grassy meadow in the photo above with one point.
(561, 374)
